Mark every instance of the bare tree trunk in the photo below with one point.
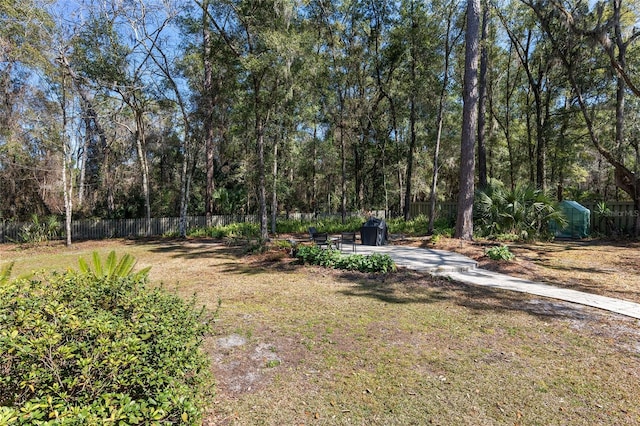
(359, 172)
(482, 108)
(314, 189)
(343, 170)
(274, 191)
(208, 123)
(67, 184)
(259, 131)
(92, 123)
(184, 198)
(541, 148)
(436, 163)
(464, 222)
(412, 120)
(505, 124)
(620, 85)
(83, 158)
(440, 122)
(262, 195)
(530, 147)
(400, 176)
(140, 136)
(412, 142)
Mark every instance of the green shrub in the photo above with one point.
(37, 231)
(500, 253)
(444, 232)
(314, 255)
(523, 211)
(414, 227)
(97, 346)
(331, 225)
(419, 226)
(233, 231)
(507, 237)
(283, 244)
(293, 226)
(372, 263)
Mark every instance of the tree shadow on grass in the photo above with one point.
(406, 287)
(188, 248)
(402, 287)
(240, 261)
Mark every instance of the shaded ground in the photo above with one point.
(407, 349)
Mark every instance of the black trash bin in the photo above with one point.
(374, 232)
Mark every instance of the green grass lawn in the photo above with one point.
(303, 345)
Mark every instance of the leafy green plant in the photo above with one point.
(372, 263)
(95, 346)
(37, 231)
(283, 244)
(445, 231)
(272, 363)
(500, 253)
(416, 226)
(5, 273)
(419, 226)
(332, 225)
(112, 267)
(308, 254)
(524, 211)
(293, 226)
(507, 237)
(234, 231)
(603, 215)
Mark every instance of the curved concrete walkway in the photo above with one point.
(463, 269)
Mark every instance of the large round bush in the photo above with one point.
(98, 346)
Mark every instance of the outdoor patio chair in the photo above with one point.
(322, 240)
(312, 232)
(348, 238)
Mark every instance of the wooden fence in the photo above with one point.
(618, 220)
(95, 229)
(445, 210)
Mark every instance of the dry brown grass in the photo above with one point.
(301, 345)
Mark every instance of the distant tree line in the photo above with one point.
(146, 108)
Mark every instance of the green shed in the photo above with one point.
(578, 221)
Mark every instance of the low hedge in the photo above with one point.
(98, 346)
(354, 262)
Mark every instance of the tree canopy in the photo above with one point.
(149, 108)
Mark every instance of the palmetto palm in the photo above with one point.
(524, 211)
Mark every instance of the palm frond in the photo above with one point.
(5, 273)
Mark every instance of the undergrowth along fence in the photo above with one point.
(96, 229)
(618, 219)
(444, 210)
